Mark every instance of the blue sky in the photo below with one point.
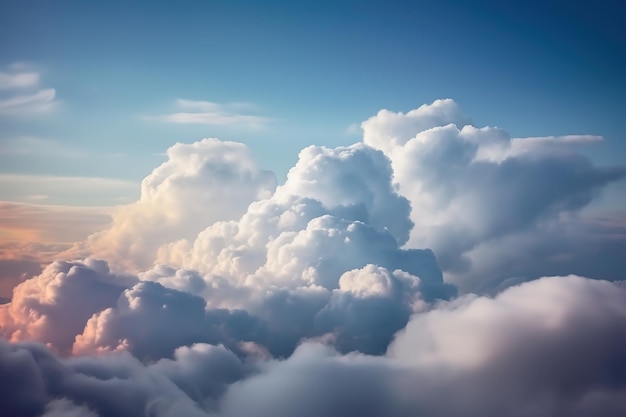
(305, 72)
(454, 255)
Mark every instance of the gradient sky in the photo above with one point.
(307, 70)
(449, 240)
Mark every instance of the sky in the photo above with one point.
(237, 208)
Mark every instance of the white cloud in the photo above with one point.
(515, 354)
(199, 184)
(469, 186)
(24, 97)
(10, 81)
(42, 101)
(275, 299)
(210, 113)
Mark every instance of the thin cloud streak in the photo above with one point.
(31, 145)
(216, 114)
(24, 100)
(63, 189)
(39, 102)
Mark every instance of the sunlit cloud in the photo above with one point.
(404, 274)
(28, 104)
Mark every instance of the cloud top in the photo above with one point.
(399, 276)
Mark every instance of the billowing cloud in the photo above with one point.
(199, 184)
(516, 354)
(54, 306)
(471, 186)
(221, 294)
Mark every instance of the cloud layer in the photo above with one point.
(358, 287)
(516, 354)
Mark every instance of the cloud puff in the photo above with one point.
(469, 186)
(210, 113)
(83, 308)
(515, 354)
(54, 306)
(147, 311)
(199, 184)
(333, 198)
(288, 269)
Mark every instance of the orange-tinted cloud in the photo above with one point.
(35, 235)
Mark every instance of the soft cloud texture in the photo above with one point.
(515, 354)
(221, 294)
(22, 95)
(472, 186)
(199, 184)
(210, 113)
(9, 81)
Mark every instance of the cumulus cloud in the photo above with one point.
(222, 294)
(211, 113)
(199, 184)
(287, 270)
(54, 306)
(515, 354)
(470, 186)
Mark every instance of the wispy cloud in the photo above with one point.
(21, 222)
(353, 130)
(539, 141)
(211, 113)
(31, 145)
(24, 96)
(10, 81)
(63, 189)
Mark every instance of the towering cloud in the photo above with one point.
(199, 184)
(471, 187)
(223, 295)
